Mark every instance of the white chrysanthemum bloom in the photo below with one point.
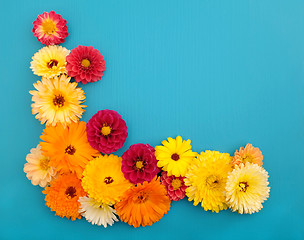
(37, 168)
(97, 213)
(247, 188)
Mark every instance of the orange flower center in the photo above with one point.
(49, 27)
(108, 180)
(175, 156)
(212, 181)
(58, 100)
(44, 163)
(70, 192)
(85, 63)
(70, 150)
(176, 183)
(247, 158)
(106, 130)
(139, 164)
(243, 186)
(52, 63)
(142, 197)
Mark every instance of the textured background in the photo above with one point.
(222, 73)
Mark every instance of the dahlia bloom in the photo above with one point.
(175, 186)
(248, 154)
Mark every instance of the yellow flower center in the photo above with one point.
(70, 150)
(44, 163)
(108, 180)
(85, 63)
(106, 130)
(247, 158)
(176, 183)
(139, 164)
(70, 192)
(243, 186)
(212, 181)
(49, 27)
(52, 63)
(58, 100)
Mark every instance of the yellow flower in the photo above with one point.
(247, 188)
(57, 100)
(174, 156)
(206, 178)
(50, 61)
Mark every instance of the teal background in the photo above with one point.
(221, 73)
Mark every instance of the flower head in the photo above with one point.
(175, 186)
(49, 61)
(50, 28)
(57, 100)
(248, 154)
(247, 188)
(85, 64)
(143, 204)
(206, 178)
(139, 163)
(107, 131)
(174, 156)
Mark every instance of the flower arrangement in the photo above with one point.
(81, 176)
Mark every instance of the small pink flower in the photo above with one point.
(175, 186)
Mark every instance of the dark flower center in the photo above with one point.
(108, 180)
(142, 197)
(243, 186)
(58, 100)
(52, 63)
(70, 150)
(70, 192)
(175, 156)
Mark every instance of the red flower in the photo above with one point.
(175, 186)
(85, 64)
(107, 131)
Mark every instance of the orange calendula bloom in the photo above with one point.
(248, 154)
(144, 204)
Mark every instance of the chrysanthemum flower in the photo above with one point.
(63, 194)
(37, 168)
(206, 178)
(103, 179)
(247, 188)
(68, 147)
(175, 186)
(50, 28)
(85, 64)
(139, 163)
(143, 204)
(96, 212)
(174, 156)
(57, 100)
(107, 131)
(248, 154)
(49, 61)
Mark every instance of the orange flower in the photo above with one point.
(248, 154)
(143, 204)
(68, 147)
(63, 194)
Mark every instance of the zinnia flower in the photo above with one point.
(37, 168)
(103, 179)
(85, 64)
(63, 194)
(248, 154)
(50, 28)
(107, 131)
(175, 186)
(68, 147)
(57, 100)
(139, 163)
(49, 61)
(206, 178)
(143, 204)
(97, 213)
(247, 188)
(174, 156)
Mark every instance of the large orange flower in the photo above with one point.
(143, 204)
(248, 154)
(68, 147)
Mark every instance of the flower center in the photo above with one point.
(108, 180)
(243, 186)
(70, 150)
(52, 63)
(58, 100)
(85, 63)
(139, 164)
(176, 183)
(106, 130)
(212, 181)
(49, 27)
(70, 192)
(175, 156)
(247, 158)
(142, 197)
(44, 163)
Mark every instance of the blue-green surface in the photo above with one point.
(221, 73)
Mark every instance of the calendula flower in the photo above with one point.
(63, 194)
(50, 28)
(37, 168)
(248, 154)
(175, 186)
(174, 156)
(143, 204)
(103, 179)
(57, 100)
(49, 61)
(206, 178)
(96, 212)
(68, 148)
(247, 188)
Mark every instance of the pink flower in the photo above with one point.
(107, 131)
(50, 28)
(175, 186)
(85, 64)
(139, 163)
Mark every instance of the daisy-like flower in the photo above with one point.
(139, 163)
(175, 186)
(143, 204)
(68, 148)
(107, 131)
(97, 213)
(247, 188)
(49, 61)
(63, 194)
(85, 64)
(57, 100)
(50, 28)
(174, 156)
(206, 178)
(37, 168)
(103, 179)
(248, 154)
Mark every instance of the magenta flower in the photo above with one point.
(175, 186)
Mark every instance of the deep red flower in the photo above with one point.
(175, 186)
